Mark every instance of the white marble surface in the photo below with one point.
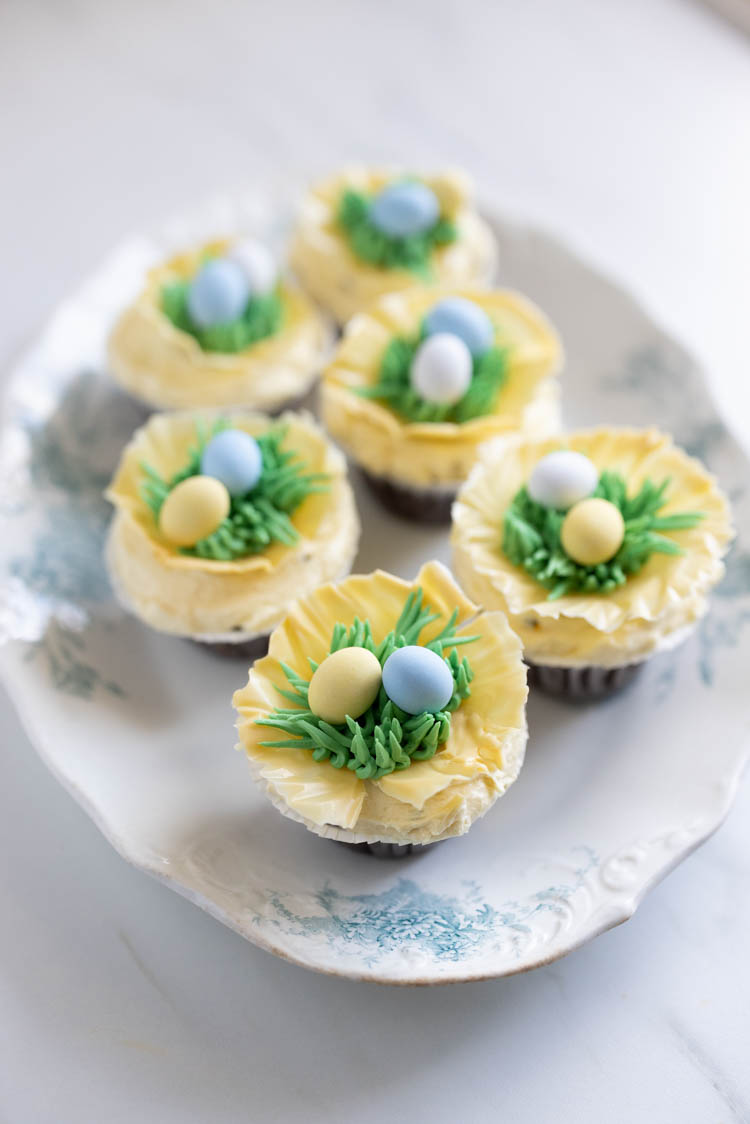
(623, 125)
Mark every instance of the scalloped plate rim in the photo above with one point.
(622, 905)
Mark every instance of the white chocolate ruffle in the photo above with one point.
(432, 799)
(168, 369)
(343, 284)
(653, 611)
(439, 455)
(246, 597)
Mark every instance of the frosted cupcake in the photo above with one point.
(222, 521)
(422, 378)
(366, 232)
(602, 550)
(386, 713)
(218, 327)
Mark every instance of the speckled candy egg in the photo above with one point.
(193, 510)
(562, 478)
(345, 683)
(258, 265)
(441, 369)
(417, 679)
(462, 318)
(234, 457)
(592, 532)
(403, 209)
(218, 293)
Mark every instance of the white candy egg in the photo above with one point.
(258, 265)
(441, 369)
(562, 478)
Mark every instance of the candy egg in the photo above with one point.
(592, 531)
(562, 478)
(258, 265)
(441, 369)
(464, 319)
(218, 293)
(234, 457)
(193, 510)
(417, 679)
(345, 683)
(403, 209)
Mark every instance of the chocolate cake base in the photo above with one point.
(419, 505)
(581, 684)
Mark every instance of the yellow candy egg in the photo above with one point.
(345, 683)
(194, 509)
(592, 531)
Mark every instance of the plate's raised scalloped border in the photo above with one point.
(625, 877)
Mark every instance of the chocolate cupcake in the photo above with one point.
(602, 548)
(217, 326)
(387, 714)
(222, 520)
(422, 378)
(366, 232)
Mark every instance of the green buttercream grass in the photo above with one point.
(531, 537)
(376, 248)
(393, 385)
(385, 738)
(261, 318)
(257, 518)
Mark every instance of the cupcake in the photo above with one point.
(422, 378)
(221, 521)
(387, 713)
(602, 550)
(217, 327)
(364, 233)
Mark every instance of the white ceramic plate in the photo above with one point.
(139, 728)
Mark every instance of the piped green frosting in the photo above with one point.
(257, 518)
(393, 385)
(385, 738)
(531, 537)
(260, 319)
(376, 248)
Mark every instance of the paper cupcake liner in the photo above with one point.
(422, 505)
(298, 402)
(582, 684)
(389, 850)
(250, 649)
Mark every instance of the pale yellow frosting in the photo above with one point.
(168, 369)
(652, 611)
(344, 284)
(432, 799)
(439, 455)
(233, 600)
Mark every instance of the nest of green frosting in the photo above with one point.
(531, 537)
(385, 738)
(393, 385)
(376, 248)
(260, 318)
(257, 518)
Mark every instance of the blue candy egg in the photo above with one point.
(218, 293)
(234, 457)
(405, 208)
(463, 318)
(417, 679)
